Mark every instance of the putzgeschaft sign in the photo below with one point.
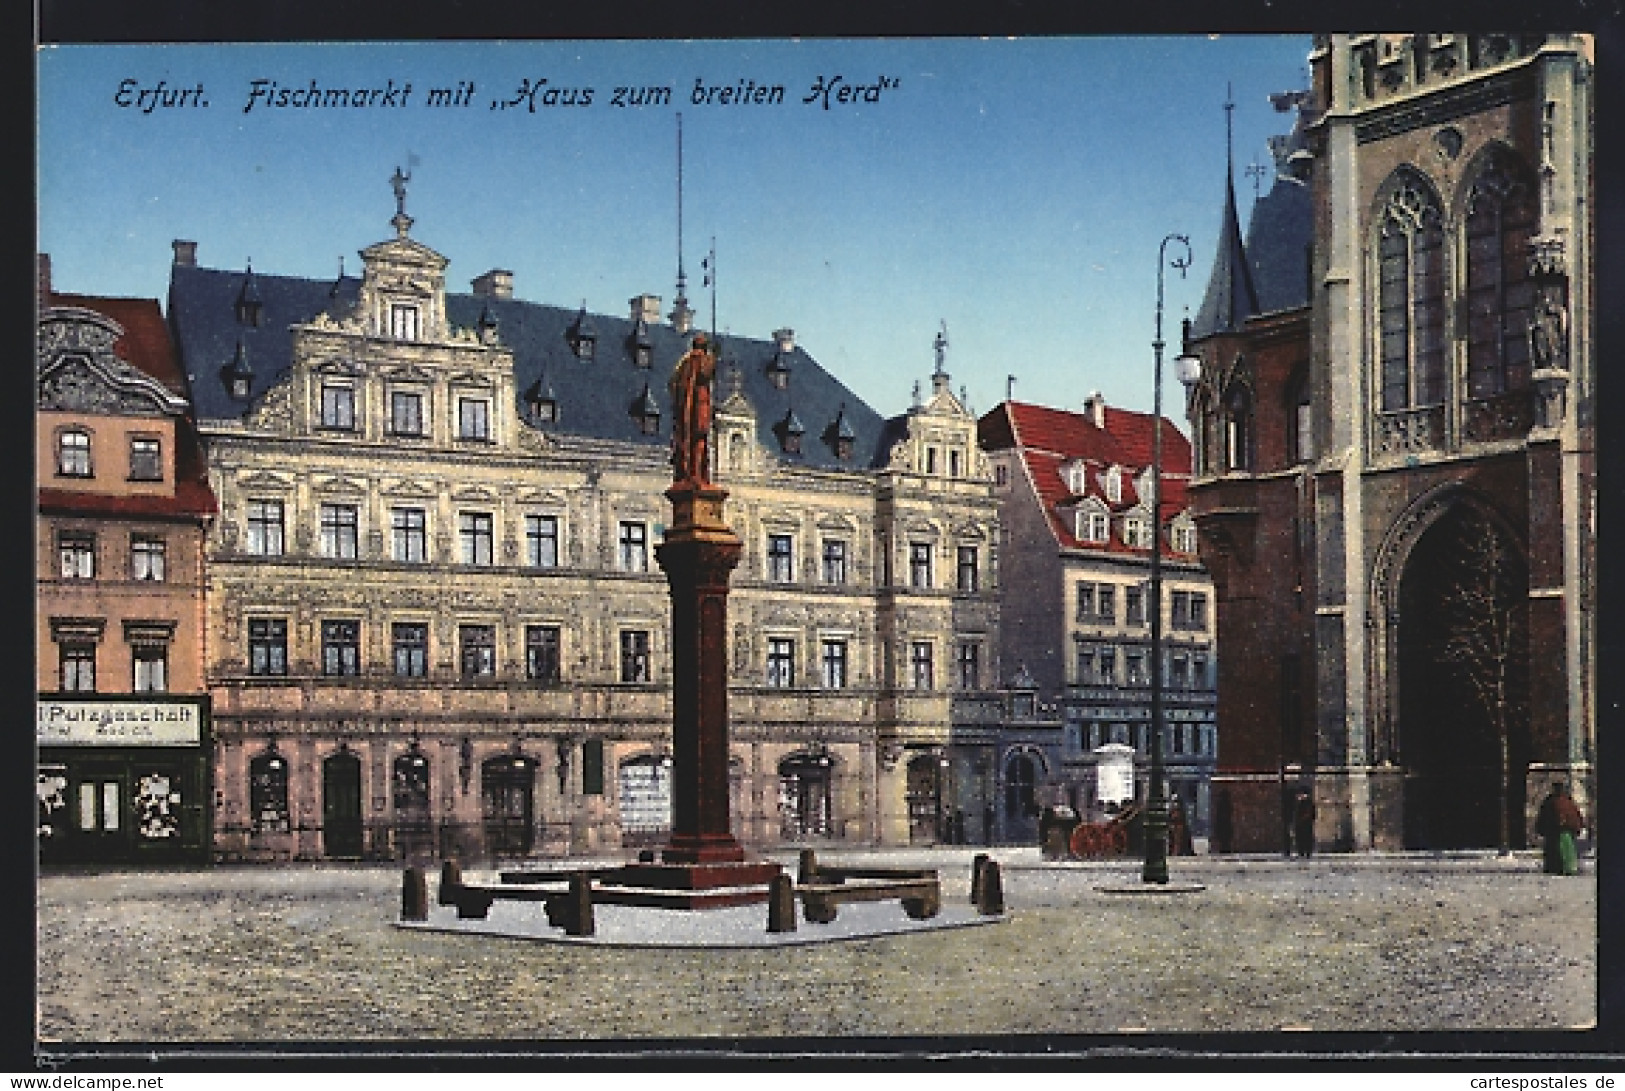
(119, 723)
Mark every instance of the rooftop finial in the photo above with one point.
(681, 315)
(397, 181)
(1229, 115)
(940, 345)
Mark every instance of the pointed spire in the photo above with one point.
(1230, 298)
(248, 299)
(682, 316)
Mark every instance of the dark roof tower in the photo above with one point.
(1230, 298)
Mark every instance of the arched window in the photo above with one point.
(1410, 296)
(1500, 221)
(1020, 786)
(1238, 429)
(268, 792)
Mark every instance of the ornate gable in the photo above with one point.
(78, 371)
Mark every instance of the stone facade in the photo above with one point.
(1418, 567)
(437, 624)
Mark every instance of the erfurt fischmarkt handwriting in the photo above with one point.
(825, 92)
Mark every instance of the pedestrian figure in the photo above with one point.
(1303, 822)
(1179, 831)
(1558, 823)
(1223, 822)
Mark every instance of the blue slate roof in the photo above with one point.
(1278, 246)
(595, 397)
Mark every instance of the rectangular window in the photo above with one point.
(403, 321)
(1179, 609)
(338, 407)
(635, 665)
(341, 648)
(968, 576)
(473, 418)
(339, 531)
(475, 534)
(146, 459)
(919, 564)
(542, 541)
(265, 527)
(409, 534)
(592, 767)
(970, 665)
(268, 646)
(1179, 672)
(634, 542)
(147, 559)
(478, 644)
(1199, 672)
(1086, 601)
(1134, 606)
(410, 640)
(834, 561)
(78, 552)
(1106, 661)
(542, 652)
(406, 413)
(834, 664)
(1085, 665)
(1106, 603)
(1198, 610)
(780, 558)
(920, 661)
(1134, 669)
(953, 463)
(73, 454)
(781, 661)
(78, 667)
(151, 668)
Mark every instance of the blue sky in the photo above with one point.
(1015, 189)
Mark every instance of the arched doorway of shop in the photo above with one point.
(508, 796)
(1463, 683)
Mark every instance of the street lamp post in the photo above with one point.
(1156, 814)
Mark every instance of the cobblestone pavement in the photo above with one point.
(309, 953)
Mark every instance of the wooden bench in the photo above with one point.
(921, 897)
(568, 907)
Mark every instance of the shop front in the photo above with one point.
(123, 780)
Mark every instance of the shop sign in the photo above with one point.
(119, 723)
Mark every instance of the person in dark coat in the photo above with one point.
(1303, 821)
(1179, 831)
(1558, 823)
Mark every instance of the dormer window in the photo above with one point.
(778, 370)
(1092, 525)
(840, 434)
(583, 335)
(248, 303)
(1137, 532)
(642, 344)
(544, 407)
(1114, 485)
(789, 430)
(238, 377)
(646, 411)
(403, 321)
(1184, 537)
(1077, 479)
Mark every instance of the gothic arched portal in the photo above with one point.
(1459, 654)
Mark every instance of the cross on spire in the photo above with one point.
(1256, 172)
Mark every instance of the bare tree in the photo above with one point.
(1485, 635)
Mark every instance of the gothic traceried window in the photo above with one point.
(1410, 299)
(1500, 221)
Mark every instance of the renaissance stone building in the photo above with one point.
(1395, 477)
(124, 505)
(436, 624)
(1078, 529)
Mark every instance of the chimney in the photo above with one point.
(1094, 407)
(786, 339)
(185, 252)
(43, 269)
(646, 307)
(496, 284)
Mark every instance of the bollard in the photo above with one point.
(781, 905)
(807, 868)
(414, 895)
(578, 921)
(977, 864)
(991, 902)
(451, 877)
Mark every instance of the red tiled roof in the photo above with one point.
(146, 343)
(1049, 439)
(190, 499)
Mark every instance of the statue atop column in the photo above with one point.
(690, 387)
